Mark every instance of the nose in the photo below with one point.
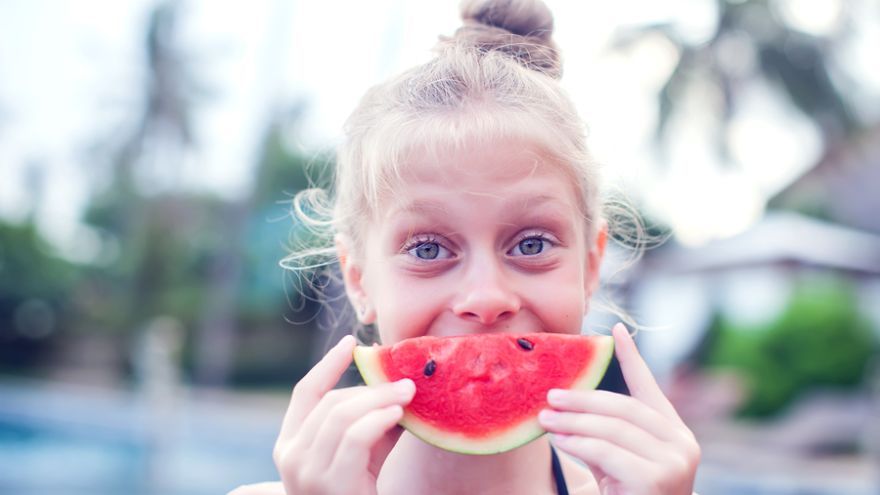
(485, 295)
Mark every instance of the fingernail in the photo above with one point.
(547, 416)
(557, 396)
(404, 387)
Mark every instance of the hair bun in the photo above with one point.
(521, 28)
(523, 17)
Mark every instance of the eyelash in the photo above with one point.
(420, 239)
(541, 235)
(537, 234)
(417, 240)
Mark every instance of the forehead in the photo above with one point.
(516, 173)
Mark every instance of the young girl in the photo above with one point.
(466, 203)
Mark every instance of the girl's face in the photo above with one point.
(486, 239)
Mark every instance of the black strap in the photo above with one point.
(558, 477)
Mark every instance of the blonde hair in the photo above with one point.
(495, 78)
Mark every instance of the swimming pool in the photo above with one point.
(65, 440)
(74, 441)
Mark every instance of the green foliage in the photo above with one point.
(210, 264)
(165, 248)
(34, 283)
(270, 230)
(28, 268)
(31, 276)
(820, 340)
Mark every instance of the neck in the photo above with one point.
(417, 467)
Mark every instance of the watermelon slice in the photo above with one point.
(481, 394)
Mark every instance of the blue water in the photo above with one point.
(96, 447)
(44, 461)
(74, 442)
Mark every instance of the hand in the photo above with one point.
(633, 445)
(335, 441)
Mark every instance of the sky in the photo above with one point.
(70, 73)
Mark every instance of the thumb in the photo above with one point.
(382, 448)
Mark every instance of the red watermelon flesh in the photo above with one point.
(481, 394)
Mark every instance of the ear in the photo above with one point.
(595, 254)
(352, 275)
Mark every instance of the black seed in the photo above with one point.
(430, 368)
(525, 344)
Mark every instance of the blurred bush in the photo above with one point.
(819, 340)
(34, 285)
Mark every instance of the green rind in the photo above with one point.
(593, 375)
(367, 361)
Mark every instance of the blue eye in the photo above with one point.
(426, 250)
(531, 246)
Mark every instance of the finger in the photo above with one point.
(382, 448)
(309, 426)
(317, 382)
(304, 452)
(328, 424)
(357, 446)
(268, 488)
(638, 376)
(616, 405)
(606, 457)
(611, 429)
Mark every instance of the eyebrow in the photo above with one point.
(516, 204)
(422, 206)
(534, 201)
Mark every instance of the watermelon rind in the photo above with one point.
(368, 363)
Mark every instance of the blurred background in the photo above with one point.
(149, 149)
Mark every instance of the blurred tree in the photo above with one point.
(796, 63)
(34, 283)
(282, 170)
(167, 239)
(756, 43)
(208, 263)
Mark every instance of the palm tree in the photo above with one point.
(752, 41)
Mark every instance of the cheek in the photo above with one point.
(406, 308)
(559, 302)
(562, 314)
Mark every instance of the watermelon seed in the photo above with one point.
(525, 344)
(430, 368)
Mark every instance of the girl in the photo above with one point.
(465, 203)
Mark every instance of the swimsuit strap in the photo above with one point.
(558, 477)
